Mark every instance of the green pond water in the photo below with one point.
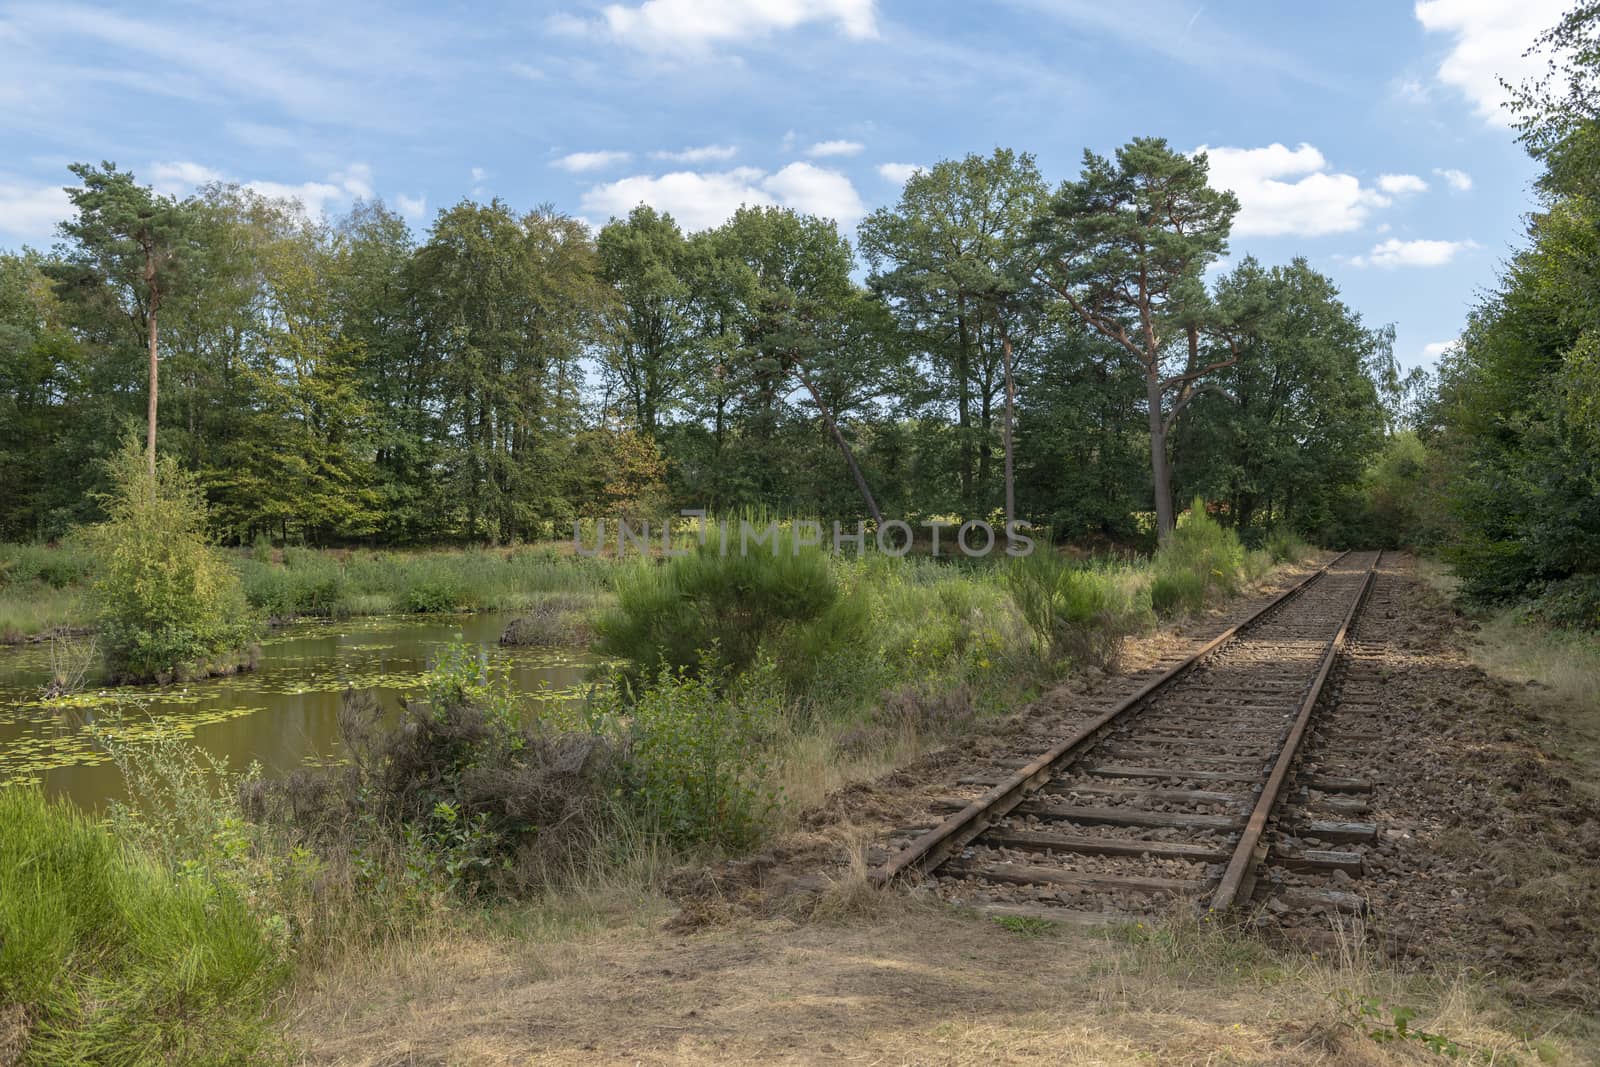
(283, 715)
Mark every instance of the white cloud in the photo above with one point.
(899, 173)
(699, 200)
(1397, 253)
(711, 153)
(1314, 203)
(411, 207)
(676, 25)
(30, 212)
(354, 182)
(526, 72)
(1439, 348)
(1459, 180)
(1489, 38)
(478, 174)
(179, 177)
(578, 162)
(341, 187)
(1401, 184)
(815, 190)
(834, 148)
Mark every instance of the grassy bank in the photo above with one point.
(42, 588)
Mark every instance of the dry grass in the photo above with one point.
(893, 980)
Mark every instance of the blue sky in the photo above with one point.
(1365, 135)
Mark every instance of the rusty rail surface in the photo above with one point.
(934, 847)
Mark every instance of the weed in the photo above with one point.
(1026, 925)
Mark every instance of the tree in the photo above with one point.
(1299, 415)
(134, 241)
(796, 286)
(508, 303)
(645, 259)
(955, 261)
(1125, 246)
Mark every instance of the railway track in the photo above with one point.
(1171, 793)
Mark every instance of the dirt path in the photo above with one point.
(1498, 878)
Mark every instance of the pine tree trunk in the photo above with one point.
(1161, 472)
(1008, 429)
(154, 298)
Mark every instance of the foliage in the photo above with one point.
(1203, 557)
(734, 598)
(118, 959)
(167, 604)
(1385, 1025)
(1573, 603)
(1079, 614)
(693, 765)
(1299, 415)
(334, 382)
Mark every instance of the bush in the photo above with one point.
(56, 566)
(1082, 615)
(1201, 556)
(116, 959)
(692, 761)
(460, 798)
(168, 605)
(1573, 603)
(1286, 546)
(1177, 592)
(670, 615)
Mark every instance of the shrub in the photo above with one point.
(167, 603)
(1286, 546)
(1202, 555)
(461, 797)
(737, 604)
(1082, 615)
(1573, 603)
(1177, 592)
(692, 760)
(114, 958)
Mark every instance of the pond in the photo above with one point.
(283, 715)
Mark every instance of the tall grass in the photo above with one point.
(117, 959)
(377, 583)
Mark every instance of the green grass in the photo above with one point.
(329, 583)
(33, 608)
(115, 959)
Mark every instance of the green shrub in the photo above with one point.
(57, 566)
(1082, 615)
(1177, 592)
(1572, 603)
(670, 615)
(166, 602)
(693, 755)
(116, 959)
(1286, 546)
(1202, 555)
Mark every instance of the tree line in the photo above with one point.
(1502, 471)
(990, 347)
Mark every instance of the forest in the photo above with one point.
(334, 382)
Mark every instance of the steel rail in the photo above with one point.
(935, 846)
(1250, 849)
